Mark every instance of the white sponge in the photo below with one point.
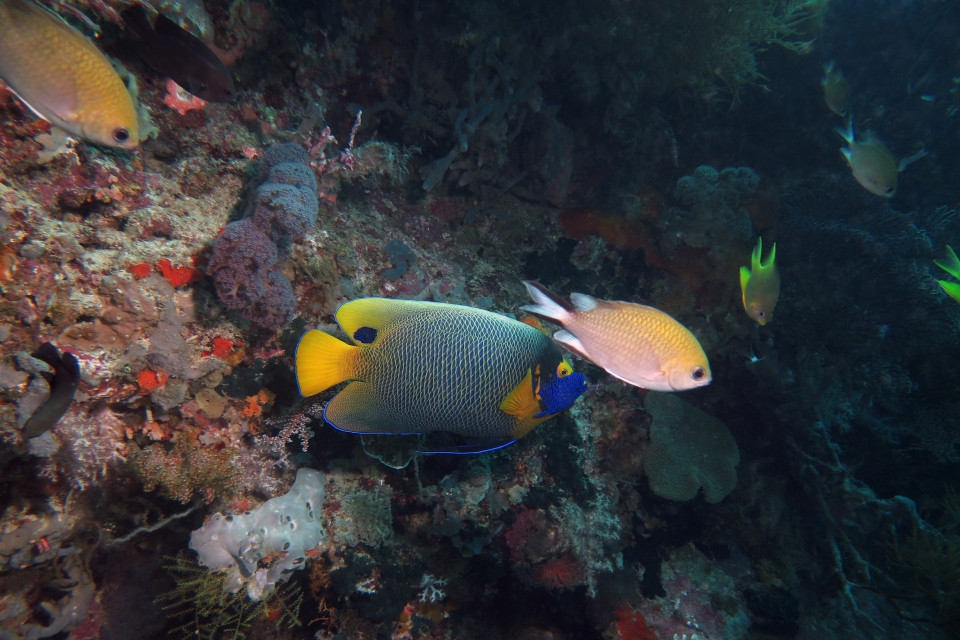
(281, 530)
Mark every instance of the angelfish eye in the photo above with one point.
(564, 369)
(121, 134)
(698, 374)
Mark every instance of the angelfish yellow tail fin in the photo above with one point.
(322, 361)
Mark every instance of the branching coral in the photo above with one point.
(929, 558)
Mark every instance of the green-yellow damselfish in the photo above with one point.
(420, 367)
(952, 266)
(872, 163)
(836, 89)
(760, 284)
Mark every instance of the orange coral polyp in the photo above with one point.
(177, 276)
(150, 380)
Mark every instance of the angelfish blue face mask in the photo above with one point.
(559, 393)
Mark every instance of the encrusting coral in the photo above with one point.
(688, 449)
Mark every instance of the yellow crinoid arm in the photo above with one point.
(951, 265)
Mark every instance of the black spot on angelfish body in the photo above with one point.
(365, 335)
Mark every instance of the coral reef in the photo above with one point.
(439, 151)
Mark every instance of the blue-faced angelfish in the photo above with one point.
(760, 284)
(421, 367)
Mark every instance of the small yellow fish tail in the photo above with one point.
(847, 134)
(757, 264)
(951, 265)
(951, 288)
(322, 361)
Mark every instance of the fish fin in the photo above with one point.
(848, 133)
(951, 265)
(952, 289)
(135, 19)
(909, 160)
(583, 302)
(526, 425)
(744, 279)
(847, 155)
(48, 353)
(658, 382)
(63, 387)
(375, 313)
(322, 361)
(771, 259)
(359, 409)
(522, 401)
(757, 255)
(757, 263)
(471, 449)
(165, 27)
(534, 322)
(548, 305)
(571, 342)
(61, 105)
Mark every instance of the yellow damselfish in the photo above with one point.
(952, 266)
(872, 163)
(63, 78)
(760, 284)
(638, 344)
(419, 367)
(836, 89)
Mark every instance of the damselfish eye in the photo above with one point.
(760, 313)
(698, 373)
(120, 134)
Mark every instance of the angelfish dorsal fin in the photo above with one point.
(374, 313)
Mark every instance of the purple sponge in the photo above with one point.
(247, 256)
